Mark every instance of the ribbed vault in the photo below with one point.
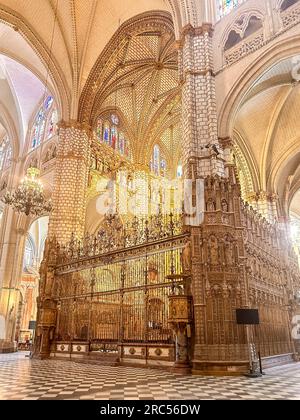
(268, 123)
(137, 76)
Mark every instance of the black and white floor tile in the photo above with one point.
(25, 379)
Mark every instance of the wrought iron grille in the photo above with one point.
(114, 235)
(120, 302)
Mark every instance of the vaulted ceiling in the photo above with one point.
(137, 76)
(268, 129)
(82, 29)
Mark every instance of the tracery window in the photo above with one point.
(226, 6)
(108, 131)
(5, 153)
(158, 164)
(45, 122)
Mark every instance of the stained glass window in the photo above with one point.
(45, 123)
(38, 128)
(106, 133)
(5, 153)
(226, 6)
(48, 103)
(99, 129)
(109, 132)
(163, 167)
(114, 137)
(52, 123)
(121, 145)
(158, 164)
(115, 119)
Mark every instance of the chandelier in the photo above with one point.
(29, 197)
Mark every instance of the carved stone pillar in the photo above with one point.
(203, 156)
(71, 181)
(201, 152)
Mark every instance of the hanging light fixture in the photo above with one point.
(29, 197)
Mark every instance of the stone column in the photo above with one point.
(202, 154)
(71, 181)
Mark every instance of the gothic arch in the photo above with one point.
(246, 163)
(177, 16)
(290, 153)
(241, 24)
(18, 23)
(146, 22)
(186, 12)
(229, 110)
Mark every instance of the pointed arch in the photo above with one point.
(232, 103)
(19, 24)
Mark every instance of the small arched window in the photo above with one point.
(44, 126)
(244, 28)
(158, 164)
(5, 153)
(109, 131)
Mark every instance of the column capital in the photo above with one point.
(206, 28)
(77, 125)
(226, 142)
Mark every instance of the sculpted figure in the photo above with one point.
(186, 257)
(224, 206)
(214, 251)
(211, 205)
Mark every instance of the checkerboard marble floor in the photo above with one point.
(25, 379)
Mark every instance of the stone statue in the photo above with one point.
(214, 251)
(211, 205)
(224, 206)
(186, 257)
